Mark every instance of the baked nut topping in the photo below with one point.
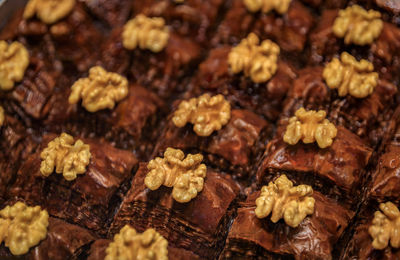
(350, 76)
(255, 60)
(2, 117)
(283, 200)
(129, 245)
(310, 126)
(48, 11)
(185, 175)
(357, 25)
(22, 227)
(14, 59)
(386, 226)
(145, 33)
(100, 90)
(67, 157)
(280, 6)
(206, 113)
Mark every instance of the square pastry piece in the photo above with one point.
(188, 203)
(230, 139)
(251, 75)
(94, 177)
(158, 59)
(29, 233)
(190, 18)
(313, 151)
(285, 221)
(352, 93)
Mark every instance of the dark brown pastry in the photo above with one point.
(63, 241)
(91, 199)
(254, 238)
(199, 225)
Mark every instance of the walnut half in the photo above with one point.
(255, 60)
(14, 59)
(206, 113)
(100, 90)
(48, 11)
(386, 226)
(22, 227)
(283, 200)
(185, 175)
(281, 6)
(350, 76)
(68, 158)
(128, 244)
(358, 26)
(145, 33)
(310, 126)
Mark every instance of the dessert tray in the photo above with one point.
(193, 129)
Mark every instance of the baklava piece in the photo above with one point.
(152, 54)
(126, 114)
(233, 72)
(312, 150)
(351, 92)
(378, 40)
(94, 177)
(65, 28)
(41, 237)
(288, 28)
(303, 224)
(230, 139)
(194, 19)
(187, 202)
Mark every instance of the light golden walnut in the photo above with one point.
(22, 227)
(145, 33)
(266, 6)
(255, 60)
(282, 200)
(14, 59)
(357, 25)
(100, 90)
(350, 76)
(66, 157)
(206, 113)
(310, 126)
(2, 116)
(386, 227)
(48, 11)
(130, 245)
(185, 175)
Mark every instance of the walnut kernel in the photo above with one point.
(206, 113)
(255, 60)
(358, 26)
(100, 90)
(310, 126)
(22, 227)
(145, 33)
(130, 245)
(350, 76)
(185, 175)
(280, 6)
(14, 59)
(283, 200)
(68, 158)
(386, 227)
(48, 11)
